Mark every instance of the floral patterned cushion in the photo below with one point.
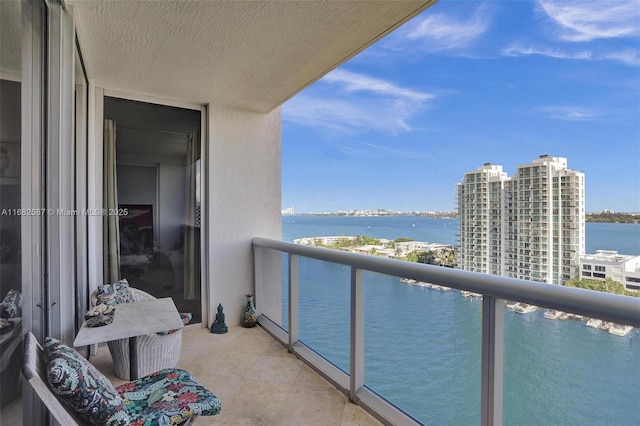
(184, 316)
(115, 293)
(82, 387)
(11, 305)
(167, 397)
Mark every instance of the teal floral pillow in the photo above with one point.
(82, 387)
(11, 305)
(115, 293)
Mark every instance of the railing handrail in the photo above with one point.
(605, 306)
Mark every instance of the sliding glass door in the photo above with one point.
(152, 182)
(24, 77)
(11, 208)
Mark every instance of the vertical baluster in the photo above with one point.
(258, 280)
(492, 360)
(294, 301)
(357, 333)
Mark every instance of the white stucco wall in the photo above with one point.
(244, 200)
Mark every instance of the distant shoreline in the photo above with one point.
(633, 218)
(438, 215)
(613, 217)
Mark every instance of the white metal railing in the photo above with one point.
(494, 289)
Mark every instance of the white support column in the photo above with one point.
(81, 143)
(32, 232)
(294, 301)
(357, 334)
(94, 181)
(258, 278)
(207, 306)
(492, 360)
(60, 175)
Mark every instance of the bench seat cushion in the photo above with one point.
(167, 397)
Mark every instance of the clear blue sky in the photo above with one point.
(466, 83)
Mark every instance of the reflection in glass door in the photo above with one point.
(156, 170)
(81, 101)
(10, 211)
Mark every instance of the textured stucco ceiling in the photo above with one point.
(10, 36)
(248, 54)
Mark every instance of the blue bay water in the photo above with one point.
(422, 347)
(623, 237)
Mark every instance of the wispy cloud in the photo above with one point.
(401, 153)
(581, 21)
(435, 32)
(349, 102)
(368, 150)
(521, 50)
(568, 113)
(628, 56)
(355, 82)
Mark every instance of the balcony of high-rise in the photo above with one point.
(350, 358)
(333, 326)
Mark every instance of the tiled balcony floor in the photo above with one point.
(258, 381)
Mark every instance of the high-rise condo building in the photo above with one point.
(528, 226)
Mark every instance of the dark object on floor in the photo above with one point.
(218, 326)
(249, 315)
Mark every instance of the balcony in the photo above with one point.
(257, 379)
(261, 382)
(353, 333)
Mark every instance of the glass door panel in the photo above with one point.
(10, 211)
(157, 169)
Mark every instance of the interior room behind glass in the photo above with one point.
(157, 159)
(10, 203)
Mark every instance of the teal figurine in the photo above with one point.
(218, 326)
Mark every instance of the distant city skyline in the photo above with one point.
(466, 83)
(292, 211)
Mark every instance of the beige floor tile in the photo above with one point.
(277, 349)
(356, 416)
(257, 398)
(250, 341)
(311, 406)
(275, 369)
(203, 339)
(234, 420)
(221, 362)
(308, 377)
(225, 387)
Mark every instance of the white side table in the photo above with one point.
(132, 320)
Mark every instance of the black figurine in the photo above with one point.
(218, 326)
